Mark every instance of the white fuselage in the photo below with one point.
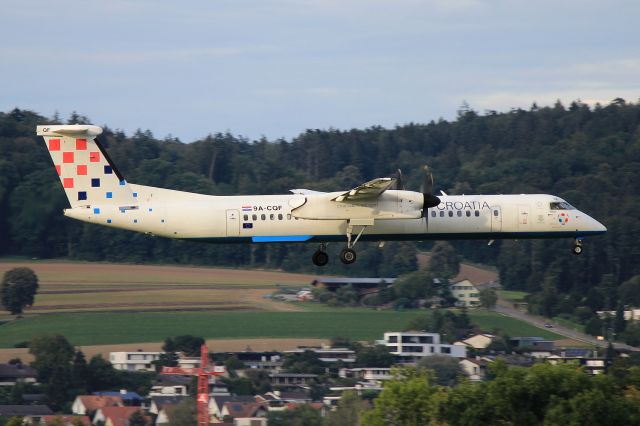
(396, 215)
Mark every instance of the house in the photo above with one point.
(304, 295)
(292, 379)
(169, 384)
(117, 416)
(216, 403)
(34, 411)
(264, 360)
(586, 358)
(369, 374)
(250, 421)
(410, 346)
(536, 346)
(277, 400)
(128, 398)
(10, 374)
(63, 419)
(161, 405)
(479, 341)
(239, 410)
(134, 361)
(466, 293)
(474, 368)
(330, 355)
(157, 403)
(362, 286)
(89, 404)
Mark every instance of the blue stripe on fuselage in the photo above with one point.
(281, 239)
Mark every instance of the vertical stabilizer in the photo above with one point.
(86, 173)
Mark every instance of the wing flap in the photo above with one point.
(367, 190)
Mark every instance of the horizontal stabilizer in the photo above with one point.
(69, 130)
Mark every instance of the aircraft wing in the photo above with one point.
(367, 190)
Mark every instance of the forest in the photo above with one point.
(588, 155)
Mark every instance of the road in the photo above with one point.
(506, 308)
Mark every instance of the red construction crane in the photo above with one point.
(203, 373)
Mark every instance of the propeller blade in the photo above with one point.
(430, 200)
(399, 181)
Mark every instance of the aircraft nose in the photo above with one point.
(595, 226)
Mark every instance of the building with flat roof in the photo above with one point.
(411, 346)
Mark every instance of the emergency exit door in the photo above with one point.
(496, 219)
(233, 223)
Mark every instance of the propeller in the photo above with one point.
(430, 200)
(399, 185)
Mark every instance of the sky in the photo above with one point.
(274, 68)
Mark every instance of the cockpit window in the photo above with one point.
(561, 206)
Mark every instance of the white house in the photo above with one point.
(474, 368)
(466, 293)
(134, 361)
(410, 346)
(87, 404)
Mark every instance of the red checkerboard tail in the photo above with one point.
(87, 175)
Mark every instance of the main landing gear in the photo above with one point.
(577, 247)
(348, 254)
(320, 257)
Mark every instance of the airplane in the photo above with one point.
(374, 211)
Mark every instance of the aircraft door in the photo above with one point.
(233, 223)
(523, 217)
(496, 219)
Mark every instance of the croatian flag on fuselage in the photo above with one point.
(246, 208)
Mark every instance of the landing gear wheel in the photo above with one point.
(320, 258)
(577, 249)
(348, 256)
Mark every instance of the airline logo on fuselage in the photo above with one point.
(464, 205)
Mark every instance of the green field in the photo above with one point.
(110, 328)
(513, 296)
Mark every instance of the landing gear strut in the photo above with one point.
(320, 257)
(348, 255)
(577, 247)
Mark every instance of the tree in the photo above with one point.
(374, 356)
(19, 287)
(183, 414)
(410, 398)
(187, 344)
(445, 261)
(488, 298)
(414, 285)
(50, 352)
(137, 419)
(447, 369)
(303, 415)
(348, 412)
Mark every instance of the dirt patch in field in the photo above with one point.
(215, 345)
(66, 273)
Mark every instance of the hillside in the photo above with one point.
(589, 156)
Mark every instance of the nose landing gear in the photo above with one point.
(577, 247)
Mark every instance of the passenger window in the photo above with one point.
(496, 212)
(450, 214)
(441, 213)
(255, 217)
(246, 217)
(289, 216)
(433, 214)
(477, 213)
(459, 213)
(263, 216)
(279, 216)
(271, 216)
(468, 213)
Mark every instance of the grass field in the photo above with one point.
(357, 324)
(82, 287)
(513, 296)
(97, 303)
